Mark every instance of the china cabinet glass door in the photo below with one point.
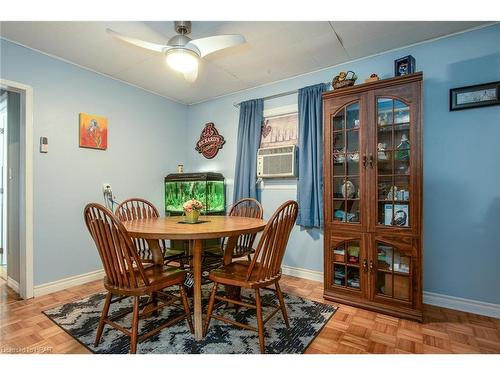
(346, 158)
(394, 192)
(392, 271)
(346, 265)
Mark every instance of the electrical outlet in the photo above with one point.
(106, 188)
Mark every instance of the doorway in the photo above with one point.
(3, 126)
(10, 131)
(16, 186)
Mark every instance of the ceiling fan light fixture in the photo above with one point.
(183, 54)
(182, 60)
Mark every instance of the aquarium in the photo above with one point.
(208, 188)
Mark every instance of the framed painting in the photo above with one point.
(475, 96)
(404, 65)
(93, 131)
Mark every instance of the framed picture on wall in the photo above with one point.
(475, 96)
(93, 131)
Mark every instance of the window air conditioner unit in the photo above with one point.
(276, 162)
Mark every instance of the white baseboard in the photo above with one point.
(302, 273)
(430, 298)
(13, 284)
(67, 282)
(462, 304)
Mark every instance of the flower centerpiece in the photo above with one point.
(192, 210)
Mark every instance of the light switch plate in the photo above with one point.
(44, 145)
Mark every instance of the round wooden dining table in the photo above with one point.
(173, 228)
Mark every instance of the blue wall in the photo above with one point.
(146, 136)
(461, 162)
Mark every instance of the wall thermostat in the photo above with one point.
(44, 145)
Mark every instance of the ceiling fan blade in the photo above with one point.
(137, 42)
(215, 43)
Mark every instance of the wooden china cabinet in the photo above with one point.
(372, 171)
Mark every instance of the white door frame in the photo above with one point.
(26, 186)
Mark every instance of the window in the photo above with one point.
(280, 128)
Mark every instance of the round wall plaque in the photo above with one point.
(210, 141)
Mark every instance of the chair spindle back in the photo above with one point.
(247, 207)
(138, 208)
(119, 257)
(272, 245)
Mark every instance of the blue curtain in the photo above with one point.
(249, 130)
(310, 183)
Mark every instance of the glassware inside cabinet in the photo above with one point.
(393, 162)
(346, 164)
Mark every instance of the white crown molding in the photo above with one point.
(13, 284)
(68, 282)
(243, 91)
(94, 71)
(430, 298)
(187, 103)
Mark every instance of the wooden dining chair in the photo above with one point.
(138, 208)
(264, 270)
(127, 276)
(246, 207)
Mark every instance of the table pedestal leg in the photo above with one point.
(154, 247)
(228, 252)
(157, 253)
(198, 320)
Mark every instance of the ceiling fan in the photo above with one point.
(183, 53)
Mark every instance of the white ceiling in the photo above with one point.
(273, 51)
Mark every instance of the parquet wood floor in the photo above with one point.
(24, 329)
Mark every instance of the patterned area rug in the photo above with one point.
(80, 319)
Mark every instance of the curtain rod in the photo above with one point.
(237, 105)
